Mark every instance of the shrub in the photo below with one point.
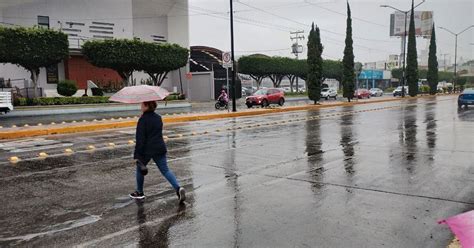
(67, 87)
(60, 100)
(389, 90)
(425, 89)
(97, 92)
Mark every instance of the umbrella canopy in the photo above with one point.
(463, 226)
(139, 94)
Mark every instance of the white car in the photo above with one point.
(6, 102)
(327, 93)
(376, 92)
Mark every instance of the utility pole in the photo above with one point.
(234, 106)
(404, 40)
(456, 50)
(296, 48)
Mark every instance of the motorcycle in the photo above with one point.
(221, 105)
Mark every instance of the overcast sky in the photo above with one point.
(263, 26)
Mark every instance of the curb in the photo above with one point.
(89, 108)
(65, 129)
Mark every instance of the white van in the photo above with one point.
(6, 102)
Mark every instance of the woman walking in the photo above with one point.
(150, 145)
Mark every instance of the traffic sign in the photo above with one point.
(226, 60)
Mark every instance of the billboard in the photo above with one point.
(371, 74)
(423, 23)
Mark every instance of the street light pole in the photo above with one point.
(233, 92)
(404, 41)
(456, 51)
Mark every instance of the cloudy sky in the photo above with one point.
(263, 26)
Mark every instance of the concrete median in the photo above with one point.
(32, 131)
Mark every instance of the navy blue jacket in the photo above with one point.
(149, 137)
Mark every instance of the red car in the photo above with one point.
(265, 97)
(362, 93)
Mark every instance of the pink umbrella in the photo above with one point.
(139, 94)
(462, 226)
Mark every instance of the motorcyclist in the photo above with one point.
(223, 97)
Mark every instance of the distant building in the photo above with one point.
(153, 21)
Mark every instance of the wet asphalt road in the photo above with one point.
(375, 175)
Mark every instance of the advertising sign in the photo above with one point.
(371, 74)
(423, 23)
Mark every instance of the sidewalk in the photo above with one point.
(88, 108)
(88, 126)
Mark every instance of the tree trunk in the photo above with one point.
(125, 75)
(162, 78)
(154, 77)
(34, 78)
(292, 79)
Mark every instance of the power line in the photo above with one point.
(306, 25)
(345, 15)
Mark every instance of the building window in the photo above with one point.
(43, 21)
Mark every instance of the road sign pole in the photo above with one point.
(228, 91)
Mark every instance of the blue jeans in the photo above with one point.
(160, 161)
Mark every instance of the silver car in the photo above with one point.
(327, 93)
(376, 92)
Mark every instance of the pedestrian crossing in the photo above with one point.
(32, 145)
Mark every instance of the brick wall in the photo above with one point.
(78, 69)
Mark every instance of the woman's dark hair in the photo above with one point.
(151, 106)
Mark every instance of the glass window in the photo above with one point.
(43, 21)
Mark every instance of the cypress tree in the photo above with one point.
(432, 76)
(412, 57)
(315, 64)
(348, 76)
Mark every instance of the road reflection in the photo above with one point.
(156, 236)
(314, 151)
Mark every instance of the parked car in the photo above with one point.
(327, 93)
(466, 98)
(362, 93)
(6, 102)
(376, 92)
(286, 89)
(265, 97)
(398, 91)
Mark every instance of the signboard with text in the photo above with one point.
(423, 23)
(52, 76)
(226, 60)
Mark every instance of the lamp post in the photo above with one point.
(404, 40)
(233, 92)
(456, 50)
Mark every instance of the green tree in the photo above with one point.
(278, 69)
(432, 76)
(348, 75)
(256, 66)
(32, 49)
(120, 55)
(332, 69)
(412, 57)
(315, 64)
(160, 59)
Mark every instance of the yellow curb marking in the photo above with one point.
(43, 155)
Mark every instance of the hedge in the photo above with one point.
(60, 100)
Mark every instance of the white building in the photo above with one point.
(149, 20)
